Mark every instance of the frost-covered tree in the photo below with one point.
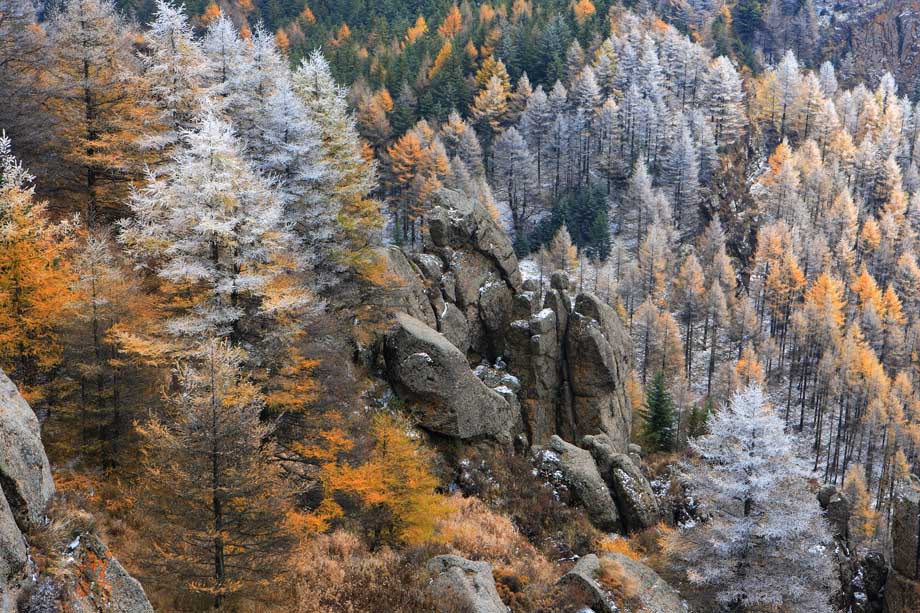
(211, 229)
(766, 543)
(175, 69)
(681, 178)
(345, 227)
(280, 138)
(724, 100)
(515, 180)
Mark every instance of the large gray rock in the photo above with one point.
(433, 375)
(902, 590)
(465, 585)
(905, 531)
(459, 222)
(837, 510)
(13, 552)
(596, 346)
(25, 475)
(535, 356)
(102, 585)
(651, 590)
(453, 324)
(407, 293)
(632, 492)
(580, 474)
(654, 592)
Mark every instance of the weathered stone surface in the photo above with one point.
(430, 266)
(457, 221)
(25, 475)
(408, 293)
(453, 325)
(464, 584)
(653, 592)
(559, 281)
(905, 531)
(495, 307)
(584, 576)
(596, 344)
(874, 571)
(579, 472)
(837, 509)
(102, 584)
(902, 590)
(523, 306)
(901, 594)
(433, 375)
(13, 552)
(631, 490)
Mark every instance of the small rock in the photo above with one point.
(579, 472)
(465, 584)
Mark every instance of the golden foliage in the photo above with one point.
(416, 31)
(35, 282)
(452, 24)
(394, 487)
(583, 10)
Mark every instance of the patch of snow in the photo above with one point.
(422, 356)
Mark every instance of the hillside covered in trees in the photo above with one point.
(420, 306)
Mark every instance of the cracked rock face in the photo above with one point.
(632, 492)
(902, 591)
(580, 474)
(434, 377)
(25, 474)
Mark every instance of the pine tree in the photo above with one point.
(213, 232)
(176, 71)
(515, 181)
(488, 112)
(357, 218)
(766, 544)
(660, 421)
(725, 97)
(221, 534)
(35, 279)
(96, 100)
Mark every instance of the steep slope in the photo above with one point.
(86, 578)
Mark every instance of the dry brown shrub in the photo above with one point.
(522, 575)
(337, 572)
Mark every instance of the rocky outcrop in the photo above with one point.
(476, 272)
(572, 362)
(631, 491)
(869, 38)
(464, 585)
(433, 376)
(99, 584)
(645, 586)
(407, 292)
(580, 474)
(13, 550)
(595, 344)
(25, 475)
(837, 510)
(902, 591)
